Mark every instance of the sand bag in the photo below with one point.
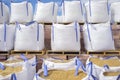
(29, 37)
(97, 11)
(70, 11)
(59, 72)
(7, 33)
(115, 11)
(4, 12)
(45, 12)
(99, 63)
(98, 37)
(21, 12)
(65, 37)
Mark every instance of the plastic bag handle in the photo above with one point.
(5, 31)
(81, 6)
(24, 57)
(76, 31)
(90, 8)
(13, 77)
(45, 70)
(2, 67)
(118, 78)
(52, 32)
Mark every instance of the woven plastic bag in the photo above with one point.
(65, 37)
(45, 12)
(70, 11)
(21, 12)
(7, 33)
(4, 12)
(98, 37)
(115, 11)
(97, 11)
(76, 64)
(29, 37)
(112, 62)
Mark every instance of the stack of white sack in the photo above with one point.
(29, 37)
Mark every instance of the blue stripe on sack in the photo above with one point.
(88, 32)
(53, 10)
(24, 57)
(38, 32)
(2, 8)
(76, 31)
(29, 23)
(118, 78)
(52, 32)
(81, 7)
(108, 7)
(63, 7)
(27, 8)
(90, 7)
(2, 67)
(36, 76)
(5, 32)
(13, 77)
(45, 70)
(35, 62)
(111, 32)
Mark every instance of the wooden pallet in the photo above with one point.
(50, 52)
(4, 55)
(28, 52)
(107, 53)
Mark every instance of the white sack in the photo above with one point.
(115, 9)
(45, 12)
(21, 12)
(4, 13)
(71, 11)
(22, 75)
(6, 37)
(96, 70)
(65, 37)
(97, 12)
(29, 37)
(98, 37)
(60, 65)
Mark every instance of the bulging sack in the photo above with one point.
(29, 37)
(4, 12)
(21, 12)
(45, 12)
(71, 11)
(99, 63)
(65, 37)
(115, 11)
(97, 11)
(7, 33)
(98, 37)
